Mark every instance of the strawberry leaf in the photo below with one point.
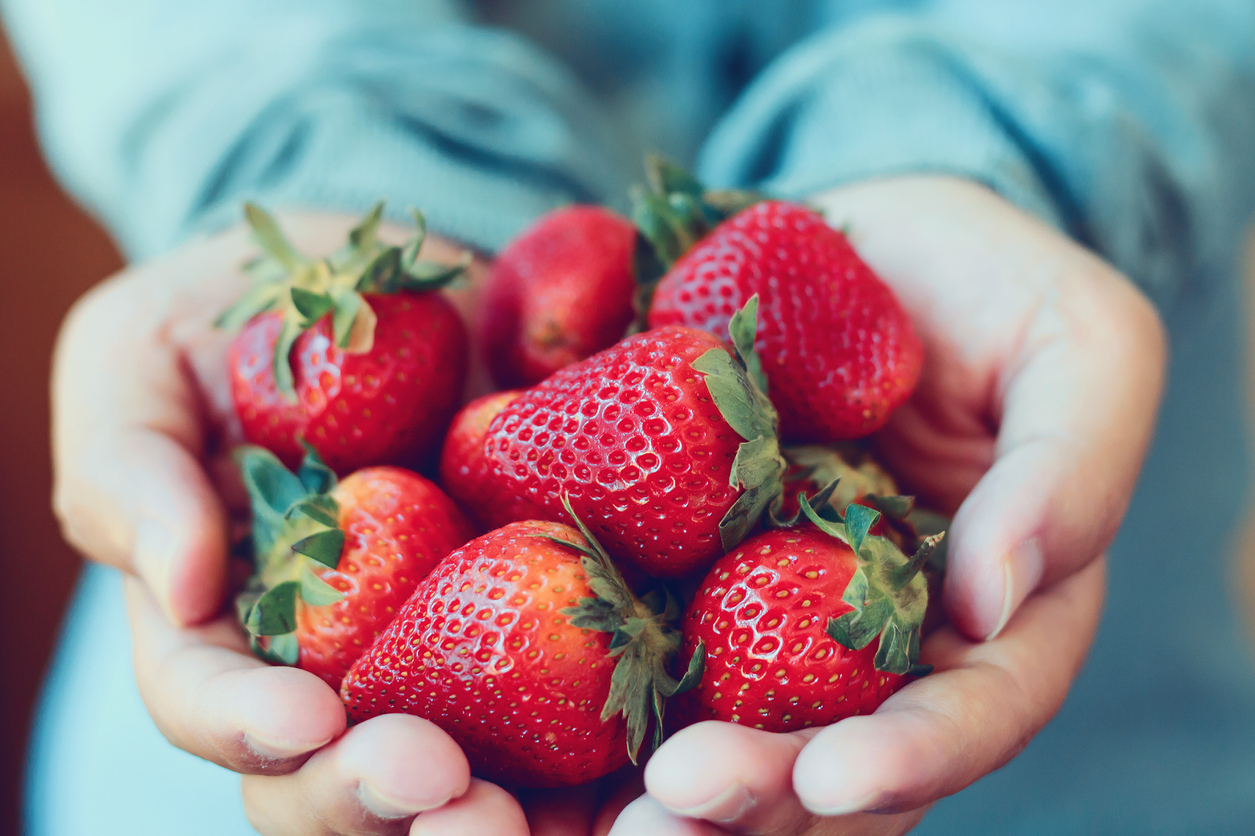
(258, 299)
(642, 640)
(269, 237)
(741, 328)
(887, 594)
(315, 591)
(859, 520)
(693, 675)
(294, 527)
(323, 546)
(282, 366)
(312, 306)
(272, 490)
(275, 612)
(344, 314)
(365, 235)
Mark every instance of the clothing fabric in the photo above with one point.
(1129, 124)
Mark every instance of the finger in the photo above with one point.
(1084, 389)
(373, 780)
(737, 777)
(127, 438)
(946, 730)
(646, 817)
(210, 696)
(484, 809)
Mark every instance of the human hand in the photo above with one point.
(1037, 401)
(142, 426)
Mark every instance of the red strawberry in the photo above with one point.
(358, 353)
(664, 443)
(524, 645)
(335, 562)
(813, 466)
(461, 458)
(558, 293)
(835, 343)
(786, 624)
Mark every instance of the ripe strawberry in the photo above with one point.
(558, 293)
(665, 444)
(461, 458)
(524, 645)
(786, 622)
(335, 562)
(813, 466)
(835, 342)
(358, 353)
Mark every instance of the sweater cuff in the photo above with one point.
(871, 101)
(349, 163)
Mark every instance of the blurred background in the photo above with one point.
(50, 252)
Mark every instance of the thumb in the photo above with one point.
(129, 489)
(1077, 402)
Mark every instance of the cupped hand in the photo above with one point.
(1041, 382)
(142, 427)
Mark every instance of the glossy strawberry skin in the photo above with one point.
(397, 526)
(558, 293)
(482, 651)
(761, 612)
(839, 351)
(632, 436)
(461, 460)
(387, 406)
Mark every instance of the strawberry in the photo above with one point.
(461, 458)
(786, 624)
(851, 466)
(836, 344)
(356, 353)
(335, 562)
(526, 647)
(558, 293)
(665, 444)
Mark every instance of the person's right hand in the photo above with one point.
(142, 426)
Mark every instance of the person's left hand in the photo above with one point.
(934, 737)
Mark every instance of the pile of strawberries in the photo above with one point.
(669, 501)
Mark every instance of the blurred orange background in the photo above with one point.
(50, 252)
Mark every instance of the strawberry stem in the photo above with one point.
(643, 641)
(306, 289)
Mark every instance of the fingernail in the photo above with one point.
(387, 806)
(831, 787)
(276, 750)
(153, 553)
(728, 806)
(1022, 569)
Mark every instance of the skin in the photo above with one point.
(1041, 362)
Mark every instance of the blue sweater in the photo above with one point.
(1131, 125)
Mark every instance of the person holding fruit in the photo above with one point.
(1051, 192)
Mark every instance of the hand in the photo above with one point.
(1042, 379)
(142, 424)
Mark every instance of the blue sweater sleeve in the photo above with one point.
(162, 115)
(1128, 123)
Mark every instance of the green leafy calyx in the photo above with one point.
(672, 213)
(306, 289)
(739, 389)
(643, 641)
(294, 531)
(888, 592)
